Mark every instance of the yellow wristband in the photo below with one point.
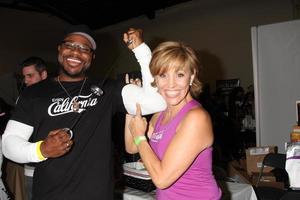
(38, 150)
(139, 139)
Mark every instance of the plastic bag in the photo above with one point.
(292, 164)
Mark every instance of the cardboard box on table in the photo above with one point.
(267, 180)
(255, 157)
(237, 172)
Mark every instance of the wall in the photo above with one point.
(219, 32)
(25, 34)
(276, 73)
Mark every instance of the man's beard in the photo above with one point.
(77, 75)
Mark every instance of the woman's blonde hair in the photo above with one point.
(179, 56)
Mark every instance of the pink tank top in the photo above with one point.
(198, 181)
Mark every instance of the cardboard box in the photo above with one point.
(255, 156)
(266, 177)
(237, 171)
(266, 180)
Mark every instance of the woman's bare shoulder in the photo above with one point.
(197, 127)
(198, 113)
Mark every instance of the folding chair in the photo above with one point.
(277, 161)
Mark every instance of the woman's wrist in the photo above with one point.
(138, 139)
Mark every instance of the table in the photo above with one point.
(231, 191)
(133, 194)
(237, 191)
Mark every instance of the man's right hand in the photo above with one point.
(56, 144)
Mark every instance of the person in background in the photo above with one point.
(34, 70)
(178, 156)
(65, 110)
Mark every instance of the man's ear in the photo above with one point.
(44, 74)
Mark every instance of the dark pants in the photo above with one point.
(28, 186)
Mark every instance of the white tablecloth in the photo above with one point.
(231, 191)
(133, 194)
(237, 191)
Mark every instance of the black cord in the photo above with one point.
(96, 90)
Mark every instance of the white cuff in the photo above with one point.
(15, 145)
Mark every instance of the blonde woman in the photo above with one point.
(178, 155)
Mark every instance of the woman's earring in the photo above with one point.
(192, 79)
(191, 82)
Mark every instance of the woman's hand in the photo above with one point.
(138, 124)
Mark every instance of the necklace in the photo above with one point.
(75, 103)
